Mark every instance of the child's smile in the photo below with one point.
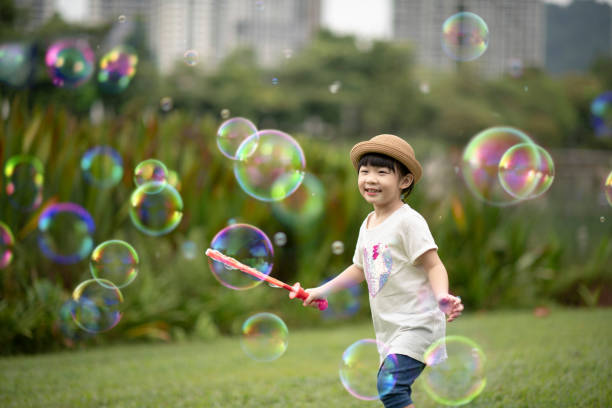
(379, 186)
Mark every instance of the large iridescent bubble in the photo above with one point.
(65, 233)
(96, 305)
(70, 62)
(526, 171)
(115, 261)
(455, 372)
(24, 182)
(247, 244)
(269, 165)
(102, 166)
(360, 365)
(601, 115)
(15, 63)
(265, 337)
(156, 208)
(465, 36)
(117, 68)
(480, 163)
(232, 133)
(305, 205)
(7, 242)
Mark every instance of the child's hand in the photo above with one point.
(313, 295)
(451, 306)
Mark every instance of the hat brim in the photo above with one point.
(369, 146)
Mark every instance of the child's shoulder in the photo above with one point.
(410, 216)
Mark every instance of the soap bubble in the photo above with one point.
(465, 36)
(526, 171)
(248, 245)
(232, 133)
(480, 163)
(65, 233)
(24, 182)
(7, 242)
(115, 261)
(270, 165)
(102, 166)
(455, 370)
(601, 115)
(191, 57)
(166, 104)
(265, 337)
(359, 367)
(156, 208)
(280, 239)
(337, 247)
(150, 170)
(70, 62)
(117, 68)
(608, 188)
(97, 306)
(15, 64)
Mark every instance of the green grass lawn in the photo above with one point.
(562, 360)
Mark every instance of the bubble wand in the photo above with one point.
(296, 290)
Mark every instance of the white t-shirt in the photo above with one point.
(405, 313)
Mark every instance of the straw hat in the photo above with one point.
(391, 146)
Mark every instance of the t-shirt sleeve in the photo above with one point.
(358, 256)
(416, 237)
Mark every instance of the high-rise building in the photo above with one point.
(213, 28)
(577, 34)
(102, 11)
(38, 11)
(517, 30)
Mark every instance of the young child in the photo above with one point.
(397, 256)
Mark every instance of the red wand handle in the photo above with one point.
(298, 292)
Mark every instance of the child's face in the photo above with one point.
(381, 186)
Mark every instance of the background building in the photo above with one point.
(577, 34)
(214, 28)
(516, 31)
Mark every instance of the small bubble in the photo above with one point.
(225, 113)
(191, 57)
(424, 88)
(602, 219)
(280, 238)
(526, 88)
(275, 81)
(166, 103)
(121, 18)
(335, 87)
(288, 53)
(337, 247)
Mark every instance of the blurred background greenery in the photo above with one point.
(556, 249)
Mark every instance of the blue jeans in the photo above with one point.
(395, 376)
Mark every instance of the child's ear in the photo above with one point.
(406, 181)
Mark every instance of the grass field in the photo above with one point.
(562, 360)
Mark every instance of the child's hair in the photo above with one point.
(382, 160)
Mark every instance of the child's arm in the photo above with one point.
(438, 279)
(351, 276)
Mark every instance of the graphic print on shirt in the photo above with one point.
(378, 264)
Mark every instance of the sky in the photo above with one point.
(364, 18)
